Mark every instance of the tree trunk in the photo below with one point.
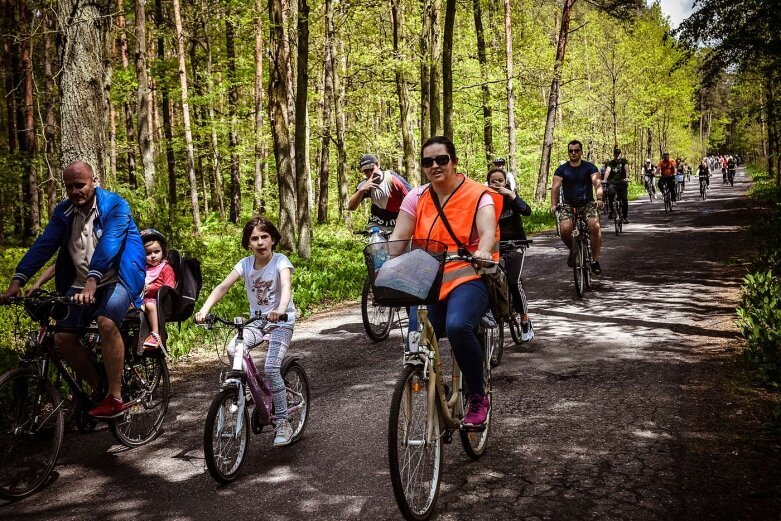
(303, 184)
(402, 90)
(233, 100)
(173, 198)
(429, 14)
(215, 177)
(291, 101)
(435, 105)
(50, 131)
(341, 125)
(325, 130)
(553, 102)
(188, 134)
(32, 210)
(278, 97)
(145, 143)
(488, 127)
(508, 49)
(259, 155)
(83, 82)
(447, 69)
(130, 131)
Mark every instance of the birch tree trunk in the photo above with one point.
(259, 155)
(553, 102)
(188, 134)
(402, 90)
(303, 181)
(278, 104)
(145, 142)
(485, 93)
(508, 50)
(83, 82)
(325, 129)
(215, 179)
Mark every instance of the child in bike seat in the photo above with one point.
(267, 280)
(159, 273)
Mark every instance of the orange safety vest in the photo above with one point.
(461, 212)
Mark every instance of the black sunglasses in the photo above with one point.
(428, 162)
(574, 150)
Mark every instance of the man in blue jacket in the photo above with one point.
(101, 264)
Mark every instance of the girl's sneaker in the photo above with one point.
(283, 433)
(153, 341)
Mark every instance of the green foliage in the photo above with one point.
(759, 314)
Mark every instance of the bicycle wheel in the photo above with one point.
(498, 347)
(225, 445)
(146, 388)
(415, 461)
(515, 327)
(617, 222)
(668, 204)
(376, 319)
(578, 269)
(298, 400)
(31, 428)
(476, 441)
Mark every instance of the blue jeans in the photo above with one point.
(457, 317)
(111, 301)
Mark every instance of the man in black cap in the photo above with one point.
(616, 174)
(386, 190)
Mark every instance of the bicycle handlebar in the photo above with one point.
(369, 233)
(38, 297)
(211, 319)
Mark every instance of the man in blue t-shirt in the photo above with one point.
(578, 179)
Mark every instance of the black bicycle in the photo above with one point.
(616, 205)
(32, 410)
(703, 187)
(514, 320)
(581, 241)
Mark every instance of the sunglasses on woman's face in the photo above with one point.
(428, 162)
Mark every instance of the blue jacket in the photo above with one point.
(119, 246)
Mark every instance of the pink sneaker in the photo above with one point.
(478, 406)
(153, 341)
(109, 408)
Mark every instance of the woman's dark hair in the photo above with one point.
(440, 140)
(264, 225)
(493, 170)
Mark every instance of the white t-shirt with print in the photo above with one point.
(264, 285)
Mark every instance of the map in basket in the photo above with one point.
(413, 273)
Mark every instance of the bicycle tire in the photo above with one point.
(31, 418)
(617, 224)
(476, 442)
(498, 348)
(415, 464)
(515, 328)
(578, 269)
(219, 437)
(377, 320)
(147, 387)
(298, 399)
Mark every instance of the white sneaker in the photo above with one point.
(283, 433)
(527, 331)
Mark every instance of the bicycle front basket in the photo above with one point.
(405, 273)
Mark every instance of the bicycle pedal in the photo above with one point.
(447, 436)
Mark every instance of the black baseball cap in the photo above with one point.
(366, 160)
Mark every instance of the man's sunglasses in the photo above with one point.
(428, 162)
(574, 150)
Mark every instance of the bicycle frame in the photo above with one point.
(424, 350)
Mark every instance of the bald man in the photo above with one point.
(101, 264)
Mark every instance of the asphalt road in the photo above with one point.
(628, 404)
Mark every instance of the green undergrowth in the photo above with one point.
(759, 313)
